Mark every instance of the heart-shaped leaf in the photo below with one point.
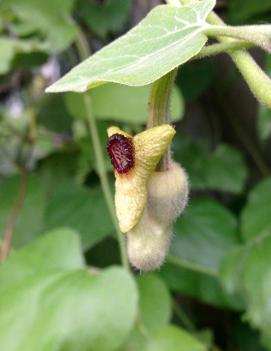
(165, 39)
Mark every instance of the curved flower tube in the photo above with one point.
(134, 160)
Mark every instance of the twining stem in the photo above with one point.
(159, 108)
(257, 80)
(84, 52)
(259, 35)
(8, 235)
(219, 48)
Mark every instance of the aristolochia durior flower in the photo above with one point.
(134, 160)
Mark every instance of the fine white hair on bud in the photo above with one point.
(168, 194)
(148, 242)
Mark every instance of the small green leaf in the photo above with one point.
(53, 114)
(240, 10)
(121, 103)
(56, 303)
(9, 48)
(82, 209)
(202, 236)
(30, 219)
(247, 271)
(105, 17)
(194, 78)
(153, 293)
(51, 18)
(166, 38)
(256, 216)
(171, 338)
(223, 169)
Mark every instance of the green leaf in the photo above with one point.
(246, 270)
(241, 10)
(172, 338)
(121, 103)
(153, 293)
(223, 169)
(246, 339)
(53, 114)
(194, 78)
(56, 303)
(30, 219)
(82, 209)
(51, 18)
(165, 39)
(256, 216)
(105, 17)
(9, 48)
(202, 237)
(204, 234)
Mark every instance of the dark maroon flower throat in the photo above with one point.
(121, 152)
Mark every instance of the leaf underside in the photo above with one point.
(168, 37)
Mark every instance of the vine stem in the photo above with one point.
(220, 48)
(8, 235)
(159, 108)
(84, 52)
(257, 80)
(258, 34)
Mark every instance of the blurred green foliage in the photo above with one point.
(55, 292)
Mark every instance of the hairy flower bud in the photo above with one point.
(148, 242)
(168, 194)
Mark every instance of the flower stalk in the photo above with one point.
(159, 108)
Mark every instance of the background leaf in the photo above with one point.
(105, 17)
(9, 48)
(222, 169)
(241, 10)
(172, 338)
(246, 270)
(30, 220)
(66, 300)
(50, 17)
(153, 292)
(203, 235)
(256, 216)
(121, 103)
(81, 209)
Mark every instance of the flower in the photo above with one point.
(134, 160)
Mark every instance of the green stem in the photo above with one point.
(220, 48)
(258, 35)
(257, 80)
(159, 108)
(84, 52)
(190, 265)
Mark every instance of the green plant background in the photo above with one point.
(63, 288)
